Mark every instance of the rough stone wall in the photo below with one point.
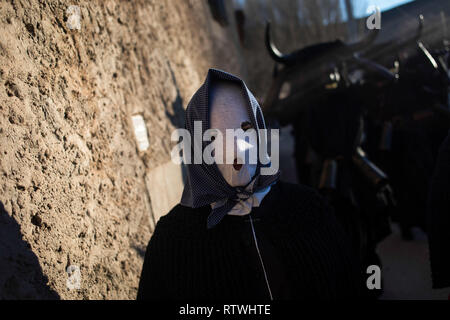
(72, 187)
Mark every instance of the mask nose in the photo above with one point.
(237, 166)
(245, 151)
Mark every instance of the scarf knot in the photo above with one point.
(241, 194)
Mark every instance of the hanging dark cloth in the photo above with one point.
(439, 218)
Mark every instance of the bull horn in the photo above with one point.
(368, 40)
(273, 51)
(420, 29)
(428, 55)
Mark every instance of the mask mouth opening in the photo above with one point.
(237, 166)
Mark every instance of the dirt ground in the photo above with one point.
(72, 189)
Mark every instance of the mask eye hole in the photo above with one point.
(246, 125)
(214, 135)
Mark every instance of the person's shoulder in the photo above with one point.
(296, 188)
(301, 195)
(303, 202)
(176, 212)
(180, 221)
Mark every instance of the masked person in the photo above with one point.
(239, 233)
(439, 218)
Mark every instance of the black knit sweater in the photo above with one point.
(304, 251)
(439, 218)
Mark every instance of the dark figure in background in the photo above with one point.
(439, 218)
(239, 234)
(240, 24)
(329, 140)
(418, 131)
(219, 11)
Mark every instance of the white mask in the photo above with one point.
(228, 110)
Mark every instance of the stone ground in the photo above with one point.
(405, 264)
(406, 268)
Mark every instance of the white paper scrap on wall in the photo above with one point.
(140, 131)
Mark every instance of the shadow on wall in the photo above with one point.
(219, 11)
(177, 117)
(21, 276)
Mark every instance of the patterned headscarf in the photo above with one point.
(204, 182)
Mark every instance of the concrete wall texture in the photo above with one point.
(74, 186)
